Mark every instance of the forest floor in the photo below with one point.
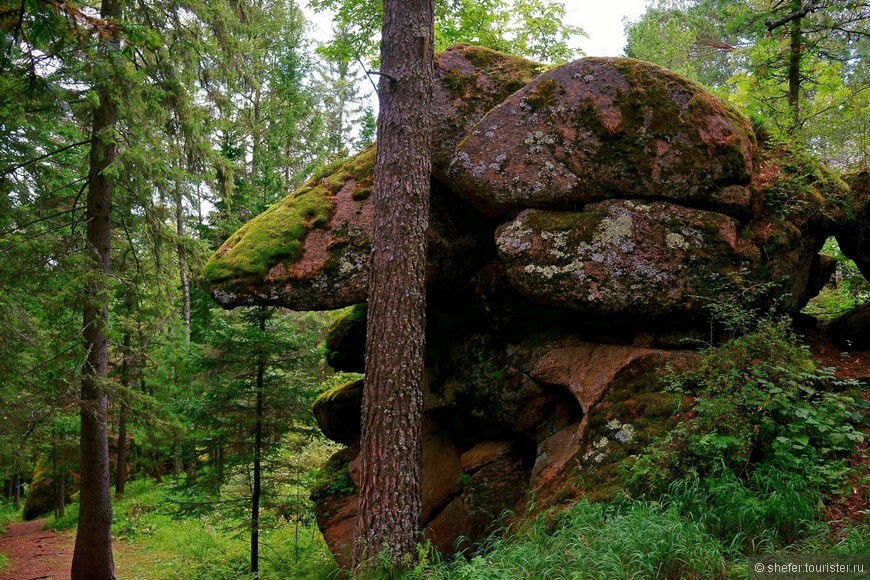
(34, 553)
(851, 506)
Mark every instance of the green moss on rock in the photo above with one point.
(543, 95)
(277, 235)
(333, 479)
(345, 340)
(338, 412)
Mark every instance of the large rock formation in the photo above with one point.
(588, 224)
(600, 128)
(854, 231)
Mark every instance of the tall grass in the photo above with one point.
(626, 539)
(770, 510)
(8, 514)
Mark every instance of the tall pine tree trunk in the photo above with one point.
(92, 557)
(388, 521)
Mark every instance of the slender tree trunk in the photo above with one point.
(388, 521)
(92, 557)
(794, 68)
(59, 475)
(16, 490)
(60, 498)
(258, 457)
(121, 466)
(182, 263)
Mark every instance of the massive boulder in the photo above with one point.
(310, 251)
(622, 257)
(589, 223)
(469, 81)
(600, 128)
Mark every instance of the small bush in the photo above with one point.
(8, 513)
(758, 401)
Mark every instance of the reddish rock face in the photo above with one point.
(469, 81)
(601, 128)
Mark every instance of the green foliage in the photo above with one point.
(8, 513)
(845, 291)
(803, 189)
(333, 478)
(531, 28)
(758, 402)
(626, 539)
(772, 508)
(727, 46)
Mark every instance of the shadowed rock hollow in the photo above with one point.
(587, 223)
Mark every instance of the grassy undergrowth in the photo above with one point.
(152, 544)
(8, 514)
(847, 289)
(763, 449)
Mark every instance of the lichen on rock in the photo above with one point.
(600, 128)
(621, 257)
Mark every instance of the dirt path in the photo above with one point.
(36, 554)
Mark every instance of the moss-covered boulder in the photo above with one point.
(600, 128)
(310, 251)
(346, 341)
(635, 410)
(338, 412)
(42, 493)
(469, 81)
(307, 252)
(336, 503)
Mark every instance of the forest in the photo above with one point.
(431, 295)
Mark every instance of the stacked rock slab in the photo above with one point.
(587, 223)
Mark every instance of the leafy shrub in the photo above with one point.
(8, 513)
(847, 289)
(758, 401)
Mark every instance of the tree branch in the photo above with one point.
(810, 6)
(15, 168)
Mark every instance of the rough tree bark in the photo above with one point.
(389, 510)
(258, 454)
(92, 557)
